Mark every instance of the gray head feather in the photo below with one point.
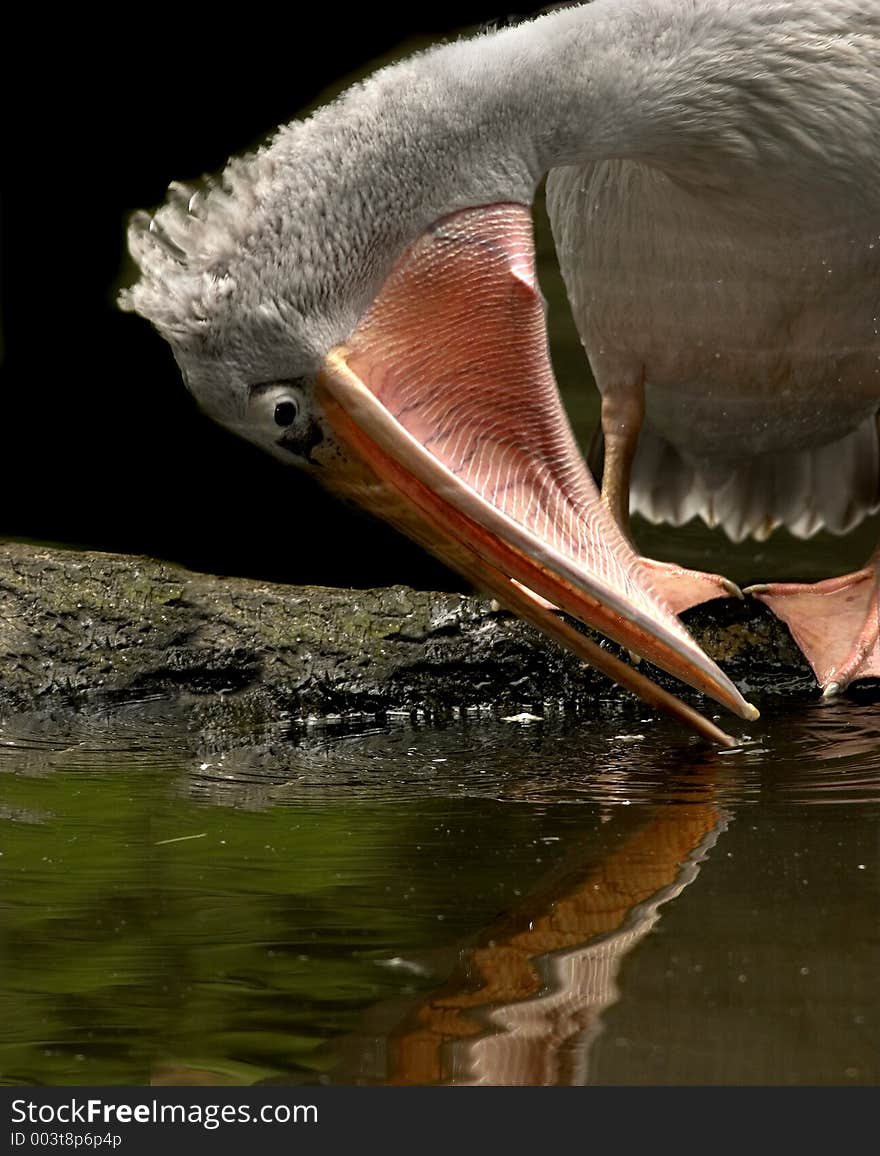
(184, 251)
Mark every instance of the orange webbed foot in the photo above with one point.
(681, 588)
(835, 624)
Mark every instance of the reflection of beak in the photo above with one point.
(445, 400)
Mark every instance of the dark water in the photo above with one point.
(498, 902)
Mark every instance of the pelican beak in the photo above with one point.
(445, 403)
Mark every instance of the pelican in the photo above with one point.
(359, 298)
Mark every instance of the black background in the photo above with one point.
(101, 445)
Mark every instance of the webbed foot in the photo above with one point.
(682, 588)
(835, 624)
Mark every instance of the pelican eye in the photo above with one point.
(286, 413)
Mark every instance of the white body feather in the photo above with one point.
(754, 322)
(741, 281)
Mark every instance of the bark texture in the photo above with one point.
(82, 627)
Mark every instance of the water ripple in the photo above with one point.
(143, 734)
(811, 753)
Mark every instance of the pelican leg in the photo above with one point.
(835, 623)
(623, 412)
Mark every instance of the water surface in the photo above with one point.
(562, 901)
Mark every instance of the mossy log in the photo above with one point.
(82, 627)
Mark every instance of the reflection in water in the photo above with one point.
(524, 1006)
(480, 903)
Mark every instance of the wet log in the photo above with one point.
(83, 628)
